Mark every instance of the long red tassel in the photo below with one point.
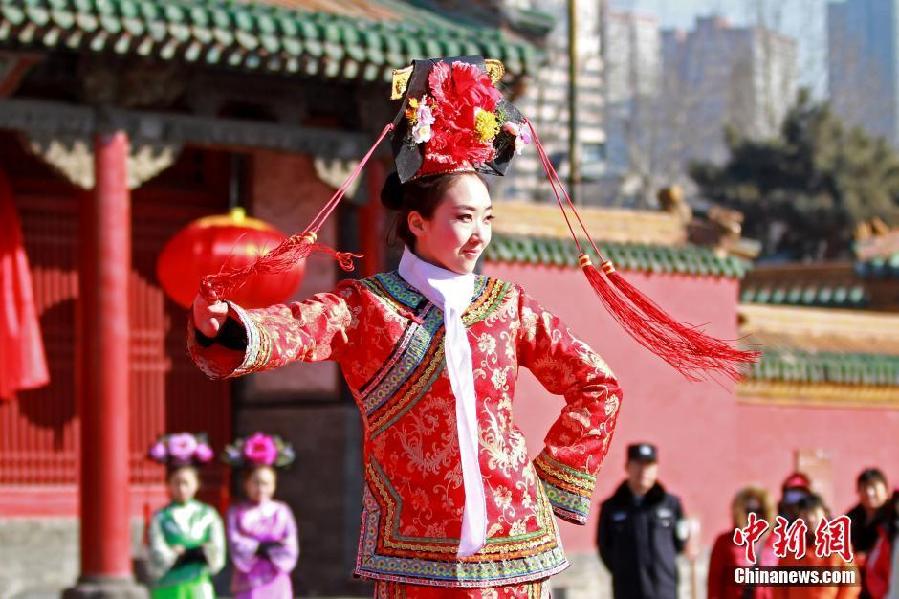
(296, 247)
(687, 349)
(282, 258)
(701, 351)
(148, 514)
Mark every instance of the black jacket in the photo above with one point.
(638, 543)
(863, 537)
(864, 532)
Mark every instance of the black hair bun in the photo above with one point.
(392, 192)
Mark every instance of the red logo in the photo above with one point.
(831, 536)
(749, 535)
(789, 537)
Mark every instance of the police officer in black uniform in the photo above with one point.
(641, 531)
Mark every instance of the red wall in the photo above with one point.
(709, 445)
(852, 439)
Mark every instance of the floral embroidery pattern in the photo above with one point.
(388, 340)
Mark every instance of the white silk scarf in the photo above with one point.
(451, 292)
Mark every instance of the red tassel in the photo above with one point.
(282, 258)
(295, 247)
(687, 349)
(147, 516)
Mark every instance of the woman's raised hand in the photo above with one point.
(209, 316)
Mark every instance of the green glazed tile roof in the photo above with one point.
(686, 260)
(830, 296)
(797, 366)
(255, 36)
(880, 267)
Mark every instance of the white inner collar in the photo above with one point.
(444, 288)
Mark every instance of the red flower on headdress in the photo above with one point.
(459, 92)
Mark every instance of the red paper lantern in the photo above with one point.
(229, 240)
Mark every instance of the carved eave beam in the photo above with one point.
(334, 172)
(46, 118)
(13, 68)
(73, 157)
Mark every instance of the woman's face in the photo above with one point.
(460, 228)
(183, 484)
(752, 505)
(260, 484)
(873, 494)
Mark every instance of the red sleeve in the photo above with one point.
(877, 567)
(578, 441)
(847, 591)
(313, 330)
(718, 567)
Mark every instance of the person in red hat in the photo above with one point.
(796, 480)
(812, 511)
(794, 488)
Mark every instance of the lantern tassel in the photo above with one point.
(148, 514)
(296, 247)
(686, 348)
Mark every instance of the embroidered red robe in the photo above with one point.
(388, 340)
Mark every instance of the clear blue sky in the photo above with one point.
(801, 19)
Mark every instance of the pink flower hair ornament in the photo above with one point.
(181, 449)
(259, 449)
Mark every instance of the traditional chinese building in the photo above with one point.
(829, 377)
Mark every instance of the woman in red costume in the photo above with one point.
(452, 505)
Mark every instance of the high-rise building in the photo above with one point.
(632, 78)
(863, 64)
(545, 100)
(718, 75)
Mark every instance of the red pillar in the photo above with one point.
(103, 376)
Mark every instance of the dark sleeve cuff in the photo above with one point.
(232, 336)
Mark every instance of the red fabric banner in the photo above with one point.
(23, 364)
